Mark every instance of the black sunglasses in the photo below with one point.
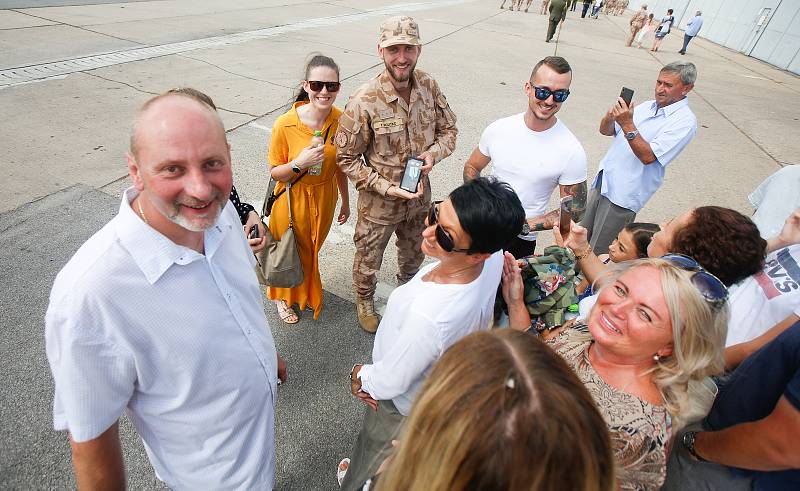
(442, 237)
(712, 289)
(542, 93)
(316, 86)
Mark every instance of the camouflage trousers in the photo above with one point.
(371, 240)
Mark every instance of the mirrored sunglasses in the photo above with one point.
(542, 93)
(316, 86)
(712, 289)
(442, 237)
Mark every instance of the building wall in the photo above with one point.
(765, 29)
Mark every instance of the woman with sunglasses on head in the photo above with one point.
(443, 302)
(295, 157)
(652, 339)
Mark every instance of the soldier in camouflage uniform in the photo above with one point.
(397, 115)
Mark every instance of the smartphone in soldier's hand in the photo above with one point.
(411, 175)
(253, 232)
(627, 95)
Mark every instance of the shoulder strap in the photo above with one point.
(271, 190)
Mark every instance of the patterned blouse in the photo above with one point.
(639, 430)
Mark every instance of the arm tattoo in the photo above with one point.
(544, 222)
(578, 192)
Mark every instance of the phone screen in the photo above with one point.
(627, 95)
(411, 175)
(565, 216)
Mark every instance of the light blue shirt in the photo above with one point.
(178, 340)
(626, 181)
(693, 26)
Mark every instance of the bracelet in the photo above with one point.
(585, 253)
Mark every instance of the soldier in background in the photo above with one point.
(395, 116)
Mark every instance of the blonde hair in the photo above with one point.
(502, 411)
(698, 336)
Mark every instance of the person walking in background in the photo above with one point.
(598, 4)
(317, 181)
(573, 4)
(586, 5)
(692, 28)
(399, 114)
(663, 29)
(558, 13)
(647, 32)
(542, 10)
(637, 22)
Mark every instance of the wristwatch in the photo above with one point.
(688, 443)
(631, 135)
(295, 168)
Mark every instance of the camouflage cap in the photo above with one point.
(399, 30)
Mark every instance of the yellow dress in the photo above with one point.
(313, 203)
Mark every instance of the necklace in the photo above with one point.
(141, 211)
(457, 273)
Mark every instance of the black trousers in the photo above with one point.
(585, 9)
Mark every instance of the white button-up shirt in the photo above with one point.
(177, 338)
(626, 181)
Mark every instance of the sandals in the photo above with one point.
(286, 313)
(341, 470)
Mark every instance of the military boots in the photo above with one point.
(367, 318)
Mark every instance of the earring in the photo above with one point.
(656, 357)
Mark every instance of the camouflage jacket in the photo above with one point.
(379, 126)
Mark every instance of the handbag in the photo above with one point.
(279, 263)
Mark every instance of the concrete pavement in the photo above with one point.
(63, 142)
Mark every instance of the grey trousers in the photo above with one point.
(604, 220)
(373, 445)
(684, 472)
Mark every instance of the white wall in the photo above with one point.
(733, 24)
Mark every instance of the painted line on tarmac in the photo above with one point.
(260, 127)
(27, 74)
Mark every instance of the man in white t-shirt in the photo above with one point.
(534, 151)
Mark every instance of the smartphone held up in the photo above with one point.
(627, 95)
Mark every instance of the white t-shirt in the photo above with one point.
(533, 162)
(422, 320)
(766, 298)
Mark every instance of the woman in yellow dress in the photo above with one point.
(292, 154)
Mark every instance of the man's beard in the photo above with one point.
(398, 78)
(200, 224)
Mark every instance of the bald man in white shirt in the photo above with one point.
(160, 315)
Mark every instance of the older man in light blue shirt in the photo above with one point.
(692, 28)
(646, 140)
